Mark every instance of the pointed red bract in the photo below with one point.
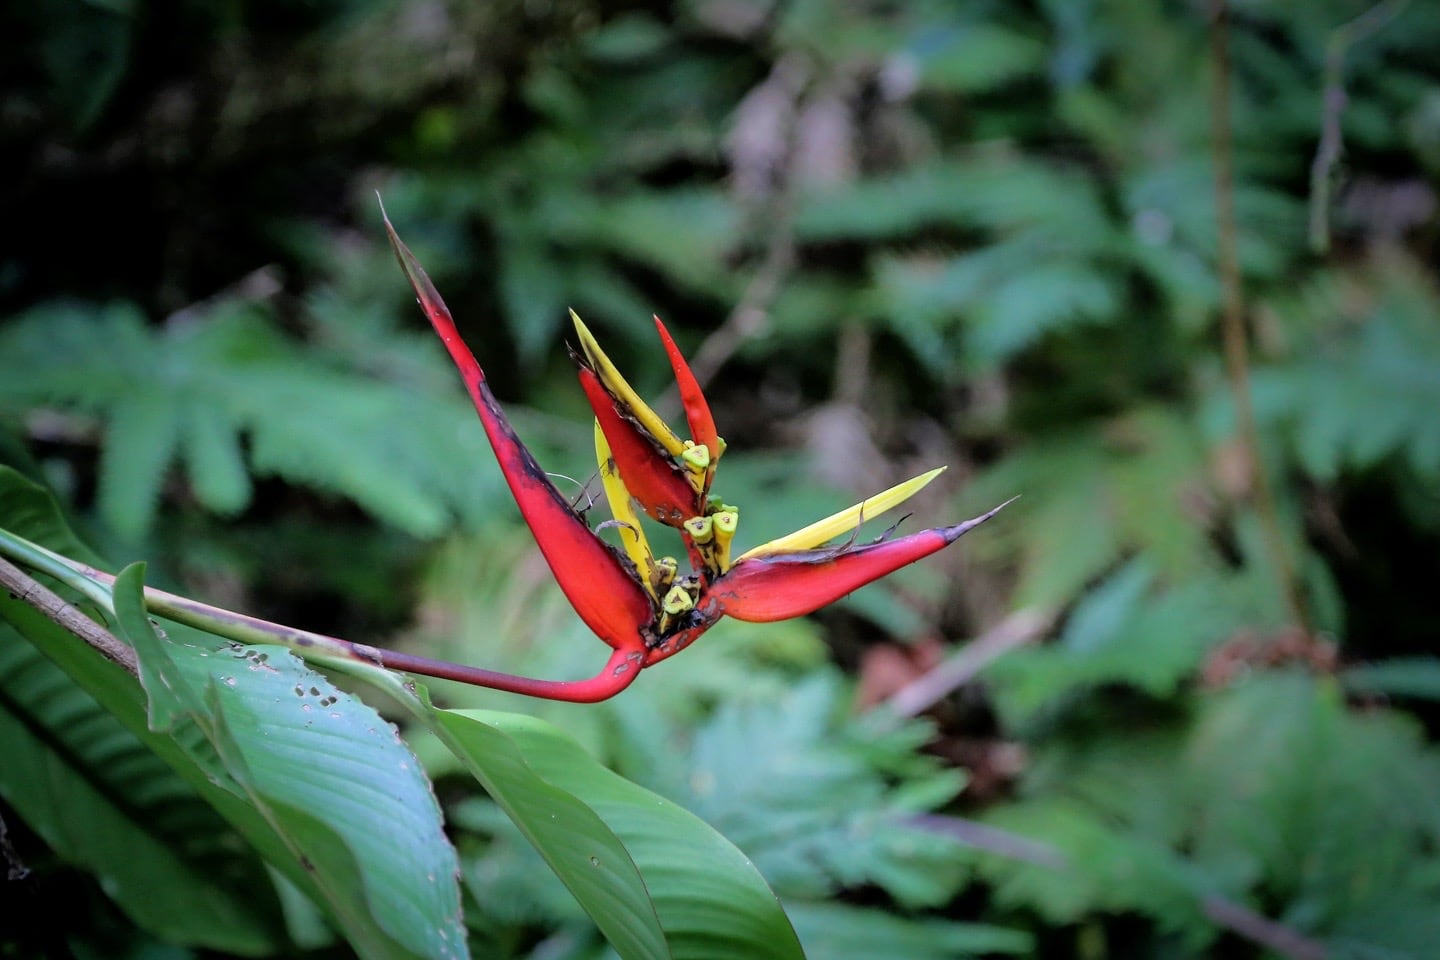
(779, 586)
(653, 478)
(692, 398)
(598, 584)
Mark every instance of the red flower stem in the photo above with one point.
(619, 672)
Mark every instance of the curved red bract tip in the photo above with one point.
(692, 398)
(779, 586)
(595, 580)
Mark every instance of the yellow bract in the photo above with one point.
(846, 520)
(616, 384)
(632, 538)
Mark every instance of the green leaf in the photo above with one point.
(815, 807)
(1105, 867)
(574, 840)
(86, 58)
(331, 775)
(205, 393)
(214, 460)
(976, 57)
(1327, 807)
(628, 37)
(105, 803)
(28, 509)
(140, 440)
(838, 931)
(1024, 307)
(118, 694)
(533, 290)
(651, 875)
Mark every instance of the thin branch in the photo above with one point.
(752, 313)
(982, 836)
(929, 689)
(65, 615)
(618, 673)
(1332, 104)
(1257, 928)
(1233, 333)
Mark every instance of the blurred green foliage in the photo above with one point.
(892, 236)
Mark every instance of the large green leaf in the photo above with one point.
(104, 802)
(29, 509)
(658, 881)
(325, 770)
(119, 696)
(312, 777)
(577, 844)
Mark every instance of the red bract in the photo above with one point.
(779, 586)
(697, 408)
(597, 581)
(656, 482)
(636, 603)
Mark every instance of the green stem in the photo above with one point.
(619, 672)
(53, 564)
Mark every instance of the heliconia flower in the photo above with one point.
(639, 604)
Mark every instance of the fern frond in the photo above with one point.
(227, 397)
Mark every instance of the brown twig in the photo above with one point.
(1257, 928)
(982, 836)
(1232, 326)
(65, 615)
(925, 691)
(751, 314)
